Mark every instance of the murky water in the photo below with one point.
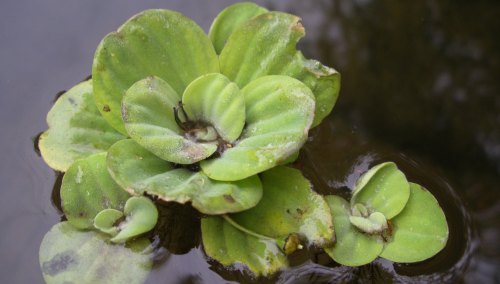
(419, 87)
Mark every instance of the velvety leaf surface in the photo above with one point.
(157, 42)
(87, 189)
(76, 129)
(229, 19)
(68, 255)
(149, 119)
(289, 206)
(214, 99)
(352, 248)
(139, 171)
(141, 216)
(129, 163)
(279, 112)
(265, 45)
(229, 245)
(105, 221)
(383, 189)
(420, 230)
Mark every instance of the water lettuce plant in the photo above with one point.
(172, 114)
(389, 217)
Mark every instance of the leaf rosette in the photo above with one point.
(387, 217)
(191, 117)
(183, 116)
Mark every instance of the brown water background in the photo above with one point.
(420, 86)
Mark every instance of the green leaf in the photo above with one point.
(279, 112)
(68, 255)
(158, 43)
(214, 99)
(87, 189)
(139, 171)
(141, 217)
(289, 205)
(148, 113)
(105, 221)
(383, 189)
(229, 19)
(229, 246)
(265, 45)
(420, 230)
(76, 129)
(352, 248)
(373, 224)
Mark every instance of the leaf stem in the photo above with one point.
(245, 230)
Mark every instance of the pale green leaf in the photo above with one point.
(148, 113)
(265, 45)
(68, 255)
(160, 43)
(106, 220)
(373, 224)
(139, 171)
(383, 189)
(87, 189)
(289, 205)
(352, 248)
(141, 216)
(215, 100)
(420, 231)
(229, 19)
(229, 246)
(279, 112)
(76, 129)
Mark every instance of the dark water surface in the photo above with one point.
(420, 86)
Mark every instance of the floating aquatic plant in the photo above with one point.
(388, 217)
(176, 115)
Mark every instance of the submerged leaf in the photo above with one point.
(279, 112)
(265, 45)
(420, 230)
(87, 189)
(68, 255)
(229, 246)
(352, 247)
(141, 216)
(383, 189)
(215, 100)
(148, 113)
(76, 129)
(289, 206)
(229, 19)
(139, 171)
(160, 43)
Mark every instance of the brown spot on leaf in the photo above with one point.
(106, 108)
(229, 198)
(298, 27)
(60, 262)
